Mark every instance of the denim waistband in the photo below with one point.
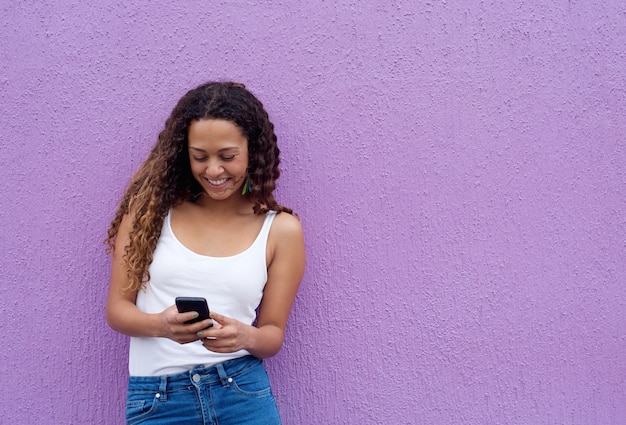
(197, 376)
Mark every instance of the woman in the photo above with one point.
(200, 220)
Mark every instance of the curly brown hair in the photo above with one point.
(165, 180)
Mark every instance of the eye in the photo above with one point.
(198, 158)
(229, 157)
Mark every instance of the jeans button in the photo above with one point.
(196, 378)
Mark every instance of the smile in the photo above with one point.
(217, 182)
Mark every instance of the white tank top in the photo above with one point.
(233, 286)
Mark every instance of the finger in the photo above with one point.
(208, 344)
(206, 324)
(204, 331)
(184, 317)
(218, 335)
(215, 346)
(220, 346)
(187, 340)
(221, 319)
(199, 326)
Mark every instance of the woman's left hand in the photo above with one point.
(227, 335)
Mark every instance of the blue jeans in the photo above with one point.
(234, 392)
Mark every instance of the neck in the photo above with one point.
(235, 204)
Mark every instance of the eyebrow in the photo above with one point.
(219, 151)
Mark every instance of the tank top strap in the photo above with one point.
(267, 225)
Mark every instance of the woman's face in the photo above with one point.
(218, 155)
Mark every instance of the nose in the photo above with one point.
(214, 168)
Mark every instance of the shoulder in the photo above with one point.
(286, 234)
(286, 247)
(286, 225)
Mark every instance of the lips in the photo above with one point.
(217, 182)
(217, 185)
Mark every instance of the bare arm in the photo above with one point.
(285, 271)
(123, 315)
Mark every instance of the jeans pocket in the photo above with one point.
(139, 407)
(252, 383)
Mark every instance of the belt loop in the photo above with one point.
(162, 394)
(223, 376)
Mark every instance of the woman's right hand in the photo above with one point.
(172, 324)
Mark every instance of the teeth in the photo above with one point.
(217, 182)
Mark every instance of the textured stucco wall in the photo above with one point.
(459, 167)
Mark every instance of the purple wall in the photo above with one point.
(459, 167)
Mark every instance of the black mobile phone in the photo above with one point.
(185, 304)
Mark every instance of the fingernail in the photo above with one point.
(199, 334)
(195, 314)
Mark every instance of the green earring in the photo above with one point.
(246, 186)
